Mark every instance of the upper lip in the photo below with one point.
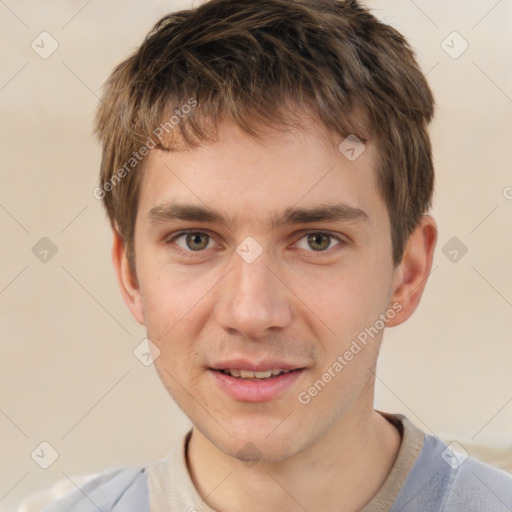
(261, 366)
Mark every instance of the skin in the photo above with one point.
(293, 303)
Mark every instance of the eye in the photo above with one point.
(193, 241)
(318, 242)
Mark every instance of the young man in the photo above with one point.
(267, 172)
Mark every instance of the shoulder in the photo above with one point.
(442, 480)
(478, 487)
(114, 490)
(456, 482)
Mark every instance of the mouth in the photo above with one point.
(255, 375)
(256, 385)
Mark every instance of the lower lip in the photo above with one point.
(256, 391)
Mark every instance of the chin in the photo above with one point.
(259, 443)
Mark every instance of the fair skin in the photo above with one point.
(300, 303)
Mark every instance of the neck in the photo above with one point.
(340, 472)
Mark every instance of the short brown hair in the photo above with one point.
(259, 64)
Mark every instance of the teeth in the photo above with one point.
(248, 374)
(263, 375)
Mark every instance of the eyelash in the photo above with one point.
(195, 254)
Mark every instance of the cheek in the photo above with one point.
(180, 365)
(351, 307)
(177, 306)
(344, 299)
(171, 297)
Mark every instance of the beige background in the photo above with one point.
(68, 373)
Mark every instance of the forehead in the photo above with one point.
(261, 177)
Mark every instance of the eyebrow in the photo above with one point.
(195, 213)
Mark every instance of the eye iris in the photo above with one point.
(197, 241)
(319, 241)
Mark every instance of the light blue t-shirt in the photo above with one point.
(426, 477)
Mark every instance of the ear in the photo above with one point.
(126, 278)
(412, 273)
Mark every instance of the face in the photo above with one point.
(263, 256)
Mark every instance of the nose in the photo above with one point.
(253, 299)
